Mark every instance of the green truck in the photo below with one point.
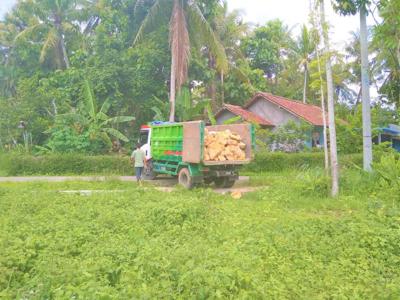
(177, 149)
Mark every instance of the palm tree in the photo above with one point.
(51, 20)
(230, 29)
(305, 50)
(186, 21)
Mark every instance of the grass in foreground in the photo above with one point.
(281, 242)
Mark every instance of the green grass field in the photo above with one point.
(286, 241)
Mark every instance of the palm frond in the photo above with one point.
(119, 119)
(240, 74)
(105, 138)
(180, 44)
(232, 120)
(73, 117)
(158, 114)
(106, 106)
(116, 133)
(30, 30)
(50, 43)
(210, 114)
(90, 101)
(209, 37)
(154, 15)
(102, 116)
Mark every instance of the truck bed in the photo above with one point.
(193, 142)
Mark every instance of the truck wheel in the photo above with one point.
(185, 179)
(224, 182)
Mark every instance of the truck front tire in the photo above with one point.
(185, 179)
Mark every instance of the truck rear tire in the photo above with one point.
(224, 182)
(185, 179)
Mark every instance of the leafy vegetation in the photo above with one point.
(47, 49)
(285, 241)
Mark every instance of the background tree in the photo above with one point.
(305, 49)
(184, 14)
(387, 40)
(49, 23)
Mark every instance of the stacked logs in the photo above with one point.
(223, 146)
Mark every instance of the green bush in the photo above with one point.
(76, 164)
(278, 161)
(60, 164)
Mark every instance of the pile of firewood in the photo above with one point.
(223, 146)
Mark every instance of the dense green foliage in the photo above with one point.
(285, 241)
(49, 49)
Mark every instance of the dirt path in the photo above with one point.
(165, 184)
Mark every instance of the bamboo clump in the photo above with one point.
(223, 146)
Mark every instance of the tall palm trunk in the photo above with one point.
(61, 41)
(212, 87)
(305, 84)
(222, 88)
(326, 153)
(366, 106)
(180, 51)
(64, 51)
(331, 106)
(172, 93)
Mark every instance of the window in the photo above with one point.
(144, 135)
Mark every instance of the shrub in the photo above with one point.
(58, 164)
(278, 161)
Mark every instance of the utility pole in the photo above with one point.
(366, 102)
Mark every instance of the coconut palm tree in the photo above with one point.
(50, 22)
(230, 30)
(186, 22)
(305, 50)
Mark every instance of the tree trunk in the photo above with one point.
(212, 87)
(222, 88)
(366, 106)
(64, 54)
(305, 84)
(64, 51)
(326, 152)
(172, 92)
(331, 107)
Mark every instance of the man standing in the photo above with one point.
(138, 158)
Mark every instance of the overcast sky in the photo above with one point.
(292, 12)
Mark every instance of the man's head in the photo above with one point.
(137, 146)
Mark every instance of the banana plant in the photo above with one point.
(99, 124)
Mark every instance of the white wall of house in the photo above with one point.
(224, 116)
(272, 112)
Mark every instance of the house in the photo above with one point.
(271, 111)
(390, 134)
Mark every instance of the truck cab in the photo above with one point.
(145, 140)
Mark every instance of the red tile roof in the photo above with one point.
(245, 114)
(310, 113)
